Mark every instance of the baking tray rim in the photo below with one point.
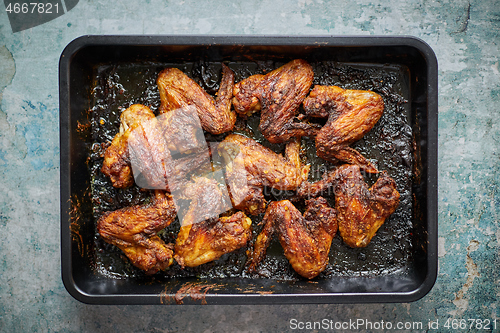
(254, 40)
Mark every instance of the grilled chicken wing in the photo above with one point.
(362, 210)
(204, 236)
(152, 162)
(323, 187)
(351, 114)
(251, 166)
(306, 239)
(133, 230)
(278, 96)
(116, 158)
(142, 150)
(182, 130)
(177, 90)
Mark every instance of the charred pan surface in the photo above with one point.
(389, 142)
(197, 292)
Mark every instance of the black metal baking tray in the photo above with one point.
(97, 74)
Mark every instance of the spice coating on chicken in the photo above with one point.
(278, 96)
(362, 210)
(207, 240)
(305, 239)
(322, 187)
(351, 114)
(250, 166)
(116, 163)
(134, 230)
(177, 90)
(182, 130)
(143, 147)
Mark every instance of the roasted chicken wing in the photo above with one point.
(204, 236)
(278, 96)
(153, 164)
(182, 130)
(116, 163)
(306, 239)
(134, 231)
(142, 150)
(362, 210)
(177, 90)
(250, 167)
(351, 114)
(323, 187)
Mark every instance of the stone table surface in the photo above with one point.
(465, 35)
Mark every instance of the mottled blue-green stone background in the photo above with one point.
(465, 36)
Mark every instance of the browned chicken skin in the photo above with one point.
(133, 230)
(143, 147)
(204, 236)
(362, 210)
(278, 96)
(177, 90)
(251, 166)
(207, 241)
(306, 239)
(351, 114)
(116, 158)
(151, 158)
(182, 130)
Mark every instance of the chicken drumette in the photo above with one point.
(351, 114)
(134, 231)
(361, 211)
(177, 90)
(250, 167)
(306, 239)
(278, 96)
(204, 236)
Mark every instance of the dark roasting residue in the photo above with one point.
(389, 144)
